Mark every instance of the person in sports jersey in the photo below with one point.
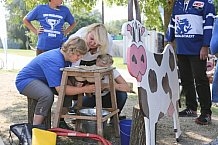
(98, 41)
(191, 26)
(41, 78)
(51, 17)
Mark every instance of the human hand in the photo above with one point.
(40, 30)
(62, 29)
(89, 88)
(79, 84)
(204, 53)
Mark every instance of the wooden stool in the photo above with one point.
(97, 75)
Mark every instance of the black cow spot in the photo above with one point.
(143, 102)
(152, 80)
(158, 58)
(165, 85)
(171, 61)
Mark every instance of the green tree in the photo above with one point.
(114, 27)
(81, 9)
(85, 19)
(216, 5)
(148, 8)
(16, 31)
(19, 8)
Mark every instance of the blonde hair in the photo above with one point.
(100, 35)
(106, 59)
(75, 45)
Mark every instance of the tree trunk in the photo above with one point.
(138, 128)
(167, 13)
(31, 109)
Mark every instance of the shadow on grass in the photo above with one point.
(16, 113)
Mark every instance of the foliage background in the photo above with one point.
(82, 10)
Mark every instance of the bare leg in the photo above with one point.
(38, 119)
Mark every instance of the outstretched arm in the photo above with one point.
(72, 90)
(121, 84)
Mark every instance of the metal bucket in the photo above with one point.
(90, 126)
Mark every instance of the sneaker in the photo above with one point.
(203, 119)
(188, 113)
(71, 110)
(64, 125)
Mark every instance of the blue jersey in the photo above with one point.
(44, 67)
(52, 20)
(191, 25)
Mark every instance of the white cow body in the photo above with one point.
(157, 78)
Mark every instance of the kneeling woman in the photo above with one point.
(41, 78)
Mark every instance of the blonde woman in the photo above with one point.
(98, 41)
(41, 78)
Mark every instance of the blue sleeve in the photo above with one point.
(32, 15)
(170, 34)
(69, 17)
(208, 17)
(214, 39)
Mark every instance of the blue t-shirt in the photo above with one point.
(52, 20)
(44, 67)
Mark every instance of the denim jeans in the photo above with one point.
(215, 86)
(214, 50)
(106, 100)
(193, 78)
(214, 42)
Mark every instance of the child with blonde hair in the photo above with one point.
(121, 86)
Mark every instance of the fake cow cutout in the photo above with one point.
(157, 77)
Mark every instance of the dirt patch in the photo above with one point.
(13, 109)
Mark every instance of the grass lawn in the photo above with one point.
(118, 61)
(21, 52)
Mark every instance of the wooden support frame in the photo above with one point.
(97, 75)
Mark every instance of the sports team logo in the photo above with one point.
(198, 4)
(182, 26)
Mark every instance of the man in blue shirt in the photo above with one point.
(191, 26)
(51, 17)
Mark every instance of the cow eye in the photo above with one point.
(142, 58)
(134, 59)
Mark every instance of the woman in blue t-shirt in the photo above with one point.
(41, 78)
(51, 17)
